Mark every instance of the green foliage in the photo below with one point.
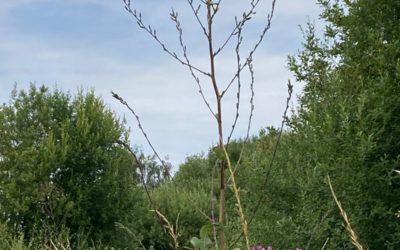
(195, 167)
(61, 165)
(204, 243)
(191, 205)
(64, 176)
(347, 125)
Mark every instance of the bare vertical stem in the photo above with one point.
(221, 145)
(221, 219)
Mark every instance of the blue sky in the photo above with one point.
(96, 44)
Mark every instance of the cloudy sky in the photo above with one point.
(71, 44)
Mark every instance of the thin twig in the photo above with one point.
(215, 7)
(326, 242)
(257, 44)
(123, 102)
(271, 163)
(136, 159)
(153, 33)
(196, 14)
(174, 18)
(251, 69)
(141, 169)
(275, 150)
(237, 51)
(239, 25)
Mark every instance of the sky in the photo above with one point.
(96, 44)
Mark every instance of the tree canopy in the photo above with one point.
(61, 165)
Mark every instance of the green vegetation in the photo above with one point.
(65, 179)
(61, 168)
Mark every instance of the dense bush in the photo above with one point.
(61, 166)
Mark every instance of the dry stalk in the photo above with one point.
(172, 230)
(352, 234)
(236, 191)
(325, 243)
(58, 246)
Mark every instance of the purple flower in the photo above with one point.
(259, 247)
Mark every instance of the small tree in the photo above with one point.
(205, 13)
(60, 166)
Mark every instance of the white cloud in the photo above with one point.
(161, 90)
(6, 6)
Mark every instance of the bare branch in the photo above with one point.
(251, 69)
(123, 102)
(174, 18)
(237, 51)
(141, 169)
(153, 33)
(271, 163)
(263, 33)
(196, 14)
(246, 16)
(215, 8)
